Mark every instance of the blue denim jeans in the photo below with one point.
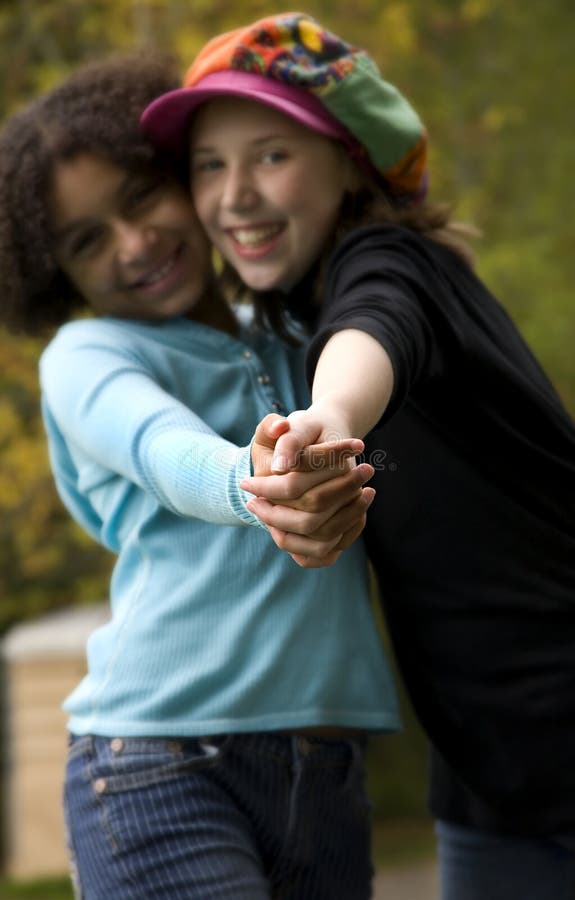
(479, 865)
(241, 817)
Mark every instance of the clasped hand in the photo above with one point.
(308, 491)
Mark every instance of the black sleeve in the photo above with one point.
(457, 357)
(376, 283)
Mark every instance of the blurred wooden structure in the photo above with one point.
(42, 662)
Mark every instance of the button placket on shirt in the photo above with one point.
(265, 382)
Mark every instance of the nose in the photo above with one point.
(239, 191)
(132, 241)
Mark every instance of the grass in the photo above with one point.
(395, 843)
(47, 889)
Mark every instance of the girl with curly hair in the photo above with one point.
(308, 171)
(216, 741)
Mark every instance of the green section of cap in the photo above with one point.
(375, 112)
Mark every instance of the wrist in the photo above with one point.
(336, 419)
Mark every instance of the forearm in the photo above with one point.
(196, 474)
(119, 421)
(352, 385)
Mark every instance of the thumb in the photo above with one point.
(302, 432)
(269, 429)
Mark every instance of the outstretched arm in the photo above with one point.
(352, 386)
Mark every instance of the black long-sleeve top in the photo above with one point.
(472, 531)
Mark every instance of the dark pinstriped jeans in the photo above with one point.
(241, 817)
(483, 865)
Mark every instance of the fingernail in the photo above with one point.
(279, 463)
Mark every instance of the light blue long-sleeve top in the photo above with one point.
(213, 629)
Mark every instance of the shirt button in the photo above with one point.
(247, 354)
(100, 785)
(264, 379)
(174, 746)
(116, 745)
(277, 406)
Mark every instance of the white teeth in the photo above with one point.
(250, 237)
(159, 273)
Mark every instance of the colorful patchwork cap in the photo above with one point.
(293, 64)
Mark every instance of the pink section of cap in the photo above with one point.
(166, 120)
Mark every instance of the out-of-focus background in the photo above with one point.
(494, 82)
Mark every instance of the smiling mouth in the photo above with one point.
(158, 274)
(255, 237)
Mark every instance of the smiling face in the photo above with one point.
(129, 242)
(266, 189)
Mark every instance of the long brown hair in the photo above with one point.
(367, 206)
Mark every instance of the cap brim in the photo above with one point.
(166, 120)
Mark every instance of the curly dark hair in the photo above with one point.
(97, 109)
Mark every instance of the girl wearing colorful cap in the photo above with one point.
(217, 739)
(308, 171)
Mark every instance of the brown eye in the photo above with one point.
(142, 191)
(273, 157)
(84, 241)
(205, 165)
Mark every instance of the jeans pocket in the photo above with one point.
(136, 789)
(125, 764)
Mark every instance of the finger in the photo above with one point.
(288, 487)
(309, 562)
(302, 432)
(332, 454)
(290, 454)
(264, 441)
(294, 485)
(288, 451)
(301, 545)
(346, 519)
(269, 429)
(330, 496)
(311, 512)
(283, 518)
(351, 534)
(347, 539)
(278, 426)
(320, 526)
